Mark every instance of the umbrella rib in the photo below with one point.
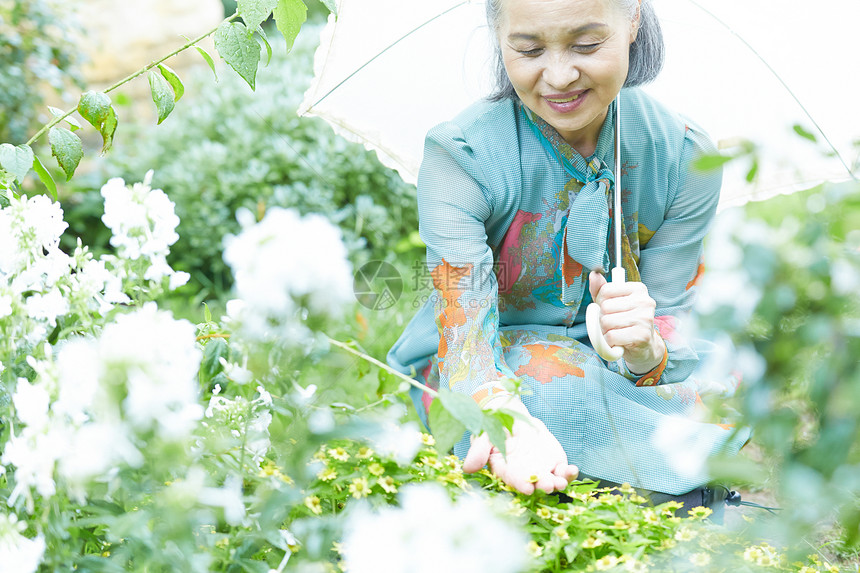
(368, 62)
(781, 81)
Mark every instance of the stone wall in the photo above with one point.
(122, 36)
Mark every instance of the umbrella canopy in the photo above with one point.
(387, 71)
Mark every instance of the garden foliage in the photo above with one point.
(37, 52)
(226, 148)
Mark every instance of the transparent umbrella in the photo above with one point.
(387, 71)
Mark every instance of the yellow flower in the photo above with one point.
(636, 498)
(609, 498)
(543, 512)
(607, 562)
(338, 454)
(752, 553)
(337, 547)
(427, 439)
(376, 469)
(685, 534)
(619, 524)
(327, 474)
(320, 455)
(313, 504)
(456, 478)
(576, 510)
(832, 569)
(807, 569)
(534, 548)
(700, 559)
(431, 463)
(634, 566)
(560, 518)
(650, 517)
(454, 462)
(359, 488)
(668, 543)
(626, 488)
(561, 533)
(387, 483)
(700, 512)
(364, 452)
(592, 542)
(767, 559)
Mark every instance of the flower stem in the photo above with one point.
(390, 370)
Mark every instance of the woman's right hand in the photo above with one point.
(534, 460)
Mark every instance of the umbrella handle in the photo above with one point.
(592, 324)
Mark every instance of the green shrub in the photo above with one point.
(36, 51)
(798, 269)
(226, 147)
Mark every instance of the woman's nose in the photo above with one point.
(560, 72)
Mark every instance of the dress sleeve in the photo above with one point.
(671, 263)
(453, 205)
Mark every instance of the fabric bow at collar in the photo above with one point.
(586, 232)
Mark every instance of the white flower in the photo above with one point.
(681, 442)
(429, 533)
(284, 262)
(143, 223)
(398, 441)
(156, 358)
(93, 450)
(31, 403)
(18, 554)
(47, 307)
(229, 498)
(34, 454)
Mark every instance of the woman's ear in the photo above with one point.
(634, 24)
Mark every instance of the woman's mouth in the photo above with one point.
(564, 103)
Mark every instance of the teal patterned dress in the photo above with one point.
(514, 219)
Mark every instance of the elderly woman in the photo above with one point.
(514, 208)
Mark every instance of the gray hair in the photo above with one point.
(646, 52)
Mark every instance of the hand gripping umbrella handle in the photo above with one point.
(592, 324)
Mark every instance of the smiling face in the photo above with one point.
(567, 60)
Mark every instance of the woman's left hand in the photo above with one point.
(627, 320)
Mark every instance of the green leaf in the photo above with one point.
(45, 177)
(265, 39)
(495, 430)
(709, 162)
(239, 49)
(804, 133)
(255, 12)
(445, 427)
(753, 171)
(108, 130)
(173, 80)
(96, 108)
(464, 409)
(16, 160)
(331, 5)
(207, 314)
(215, 349)
(67, 148)
(162, 95)
(388, 383)
(208, 59)
(289, 17)
(73, 123)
